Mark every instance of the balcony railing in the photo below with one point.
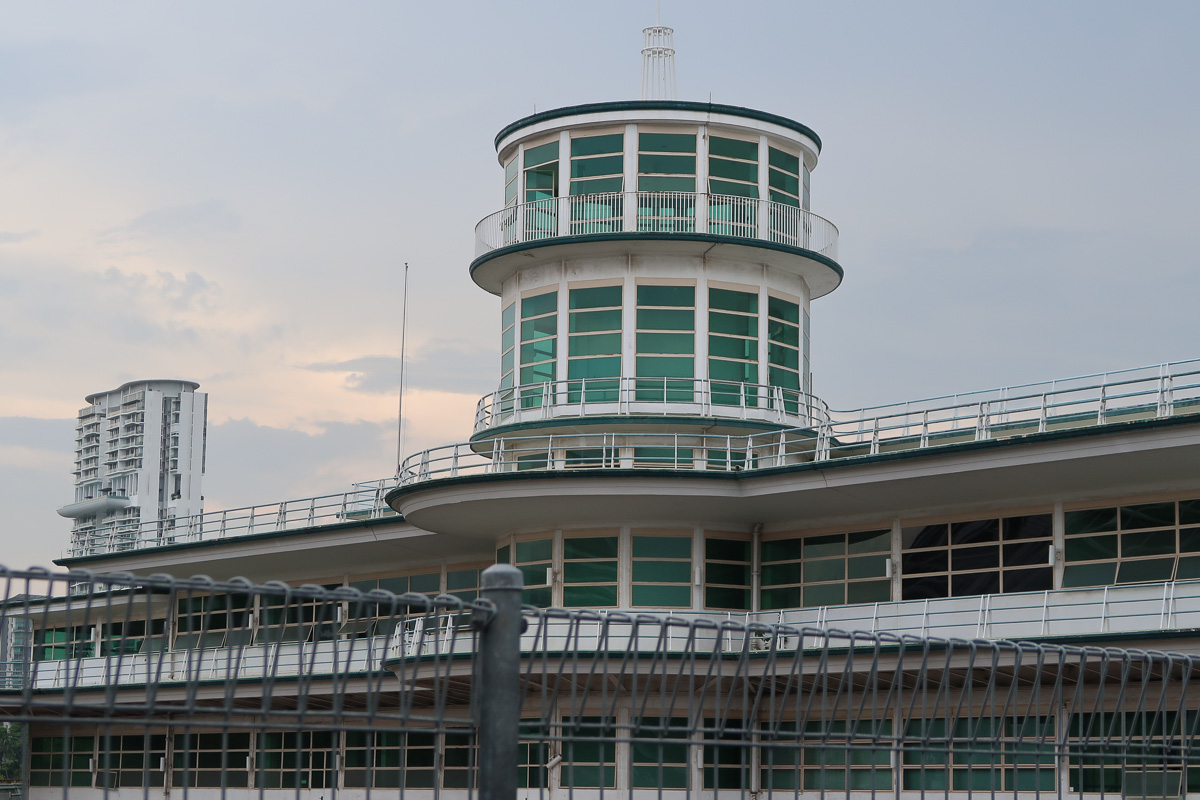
(657, 212)
(1130, 395)
(648, 396)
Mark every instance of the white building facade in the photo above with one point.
(139, 462)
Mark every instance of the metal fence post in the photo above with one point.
(498, 684)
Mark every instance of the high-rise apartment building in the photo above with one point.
(139, 460)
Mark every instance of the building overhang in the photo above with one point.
(1040, 469)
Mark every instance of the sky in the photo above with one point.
(227, 192)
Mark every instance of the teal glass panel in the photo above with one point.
(784, 379)
(662, 319)
(1091, 548)
(594, 167)
(783, 160)
(596, 145)
(541, 154)
(539, 373)
(595, 368)
(748, 190)
(682, 296)
(1151, 570)
(597, 297)
(726, 597)
(590, 572)
(733, 170)
(833, 569)
(658, 775)
(667, 457)
(730, 300)
(783, 309)
(779, 197)
(537, 550)
(1147, 515)
(425, 584)
(781, 356)
(539, 327)
(735, 324)
(1092, 520)
(866, 566)
(869, 592)
(731, 574)
(667, 142)
(726, 549)
(780, 574)
(662, 571)
(576, 596)
(1189, 512)
(666, 165)
(509, 316)
(540, 350)
(726, 347)
(833, 594)
(666, 343)
(662, 547)
(733, 371)
(1098, 574)
(665, 367)
(539, 304)
(775, 599)
(590, 547)
(588, 321)
(662, 596)
(541, 179)
(597, 344)
(504, 555)
(508, 338)
(784, 182)
(783, 333)
(781, 550)
(1155, 543)
(603, 209)
(541, 598)
(733, 148)
(659, 183)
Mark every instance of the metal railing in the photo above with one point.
(1145, 393)
(649, 396)
(656, 212)
(363, 502)
(556, 701)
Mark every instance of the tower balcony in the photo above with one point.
(647, 400)
(717, 225)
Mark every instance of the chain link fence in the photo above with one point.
(132, 687)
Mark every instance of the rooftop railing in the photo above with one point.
(690, 397)
(1089, 401)
(656, 212)
(363, 502)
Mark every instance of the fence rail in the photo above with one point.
(650, 396)
(565, 702)
(1131, 395)
(656, 212)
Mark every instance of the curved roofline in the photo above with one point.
(663, 105)
(190, 384)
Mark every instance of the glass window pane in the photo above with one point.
(869, 591)
(539, 550)
(1155, 543)
(1099, 574)
(598, 344)
(1091, 548)
(783, 160)
(1189, 512)
(597, 297)
(733, 170)
(730, 300)
(726, 549)
(592, 167)
(1147, 515)
(595, 145)
(537, 328)
(588, 321)
(655, 183)
(1146, 571)
(733, 148)
(661, 319)
(735, 324)
(666, 296)
(584, 368)
(833, 594)
(1092, 520)
(722, 346)
(833, 569)
(590, 547)
(667, 142)
(666, 596)
(590, 572)
(540, 304)
(541, 154)
(662, 547)
(1036, 526)
(666, 165)
(781, 549)
(666, 343)
(733, 574)
(987, 530)
(574, 596)
(664, 367)
(662, 571)
(822, 546)
(867, 566)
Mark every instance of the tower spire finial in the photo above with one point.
(658, 60)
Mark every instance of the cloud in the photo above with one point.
(448, 366)
(12, 237)
(189, 221)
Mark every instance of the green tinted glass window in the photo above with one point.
(733, 170)
(666, 343)
(664, 367)
(539, 304)
(779, 308)
(667, 142)
(730, 300)
(664, 319)
(597, 145)
(783, 160)
(727, 573)
(684, 296)
(592, 167)
(595, 345)
(541, 154)
(596, 297)
(591, 321)
(733, 148)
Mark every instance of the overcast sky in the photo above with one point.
(227, 191)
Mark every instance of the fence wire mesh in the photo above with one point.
(127, 687)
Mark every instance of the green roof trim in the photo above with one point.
(634, 236)
(658, 105)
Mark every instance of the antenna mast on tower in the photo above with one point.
(658, 62)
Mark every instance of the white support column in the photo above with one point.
(630, 182)
(764, 188)
(702, 179)
(1058, 538)
(564, 183)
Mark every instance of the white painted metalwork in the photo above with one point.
(657, 212)
(688, 397)
(1084, 402)
(658, 63)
